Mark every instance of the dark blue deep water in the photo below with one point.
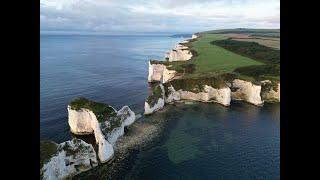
(109, 69)
(209, 141)
(202, 141)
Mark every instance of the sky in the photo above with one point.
(156, 16)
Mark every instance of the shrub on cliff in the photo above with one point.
(188, 68)
(101, 110)
(196, 85)
(156, 93)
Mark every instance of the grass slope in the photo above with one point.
(212, 59)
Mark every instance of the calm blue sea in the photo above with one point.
(203, 141)
(109, 69)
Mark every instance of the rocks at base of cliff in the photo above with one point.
(155, 100)
(159, 73)
(102, 120)
(61, 161)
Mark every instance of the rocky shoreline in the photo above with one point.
(140, 136)
(222, 89)
(75, 156)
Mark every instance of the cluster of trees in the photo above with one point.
(269, 56)
(252, 50)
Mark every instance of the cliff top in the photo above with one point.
(250, 32)
(101, 110)
(245, 57)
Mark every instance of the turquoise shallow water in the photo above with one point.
(208, 141)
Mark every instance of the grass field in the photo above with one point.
(273, 42)
(212, 59)
(250, 32)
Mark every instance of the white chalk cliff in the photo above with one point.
(150, 108)
(194, 36)
(71, 158)
(246, 91)
(159, 72)
(179, 53)
(127, 117)
(210, 94)
(84, 121)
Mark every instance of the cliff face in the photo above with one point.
(221, 89)
(149, 109)
(127, 117)
(236, 89)
(210, 94)
(246, 91)
(70, 158)
(84, 121)
(179, 53)
(194, 36)
(270, 91)
(155, 101)
(159, 72)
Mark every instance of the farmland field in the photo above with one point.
(212, 59)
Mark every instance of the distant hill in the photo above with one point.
(251, 32)
(181, 36)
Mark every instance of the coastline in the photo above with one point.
(142, 135)
(160, 125)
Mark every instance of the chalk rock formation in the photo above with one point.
(67, 159)
(210, 94)
(155, 101)
(127, 117)
(246, 91)
(84, 121)
(149, 109)
(106, 132)
(160, 73)
(194, 36)
(270, 93)
(180, 53)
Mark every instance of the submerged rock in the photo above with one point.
(61, 161)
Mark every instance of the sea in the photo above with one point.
(204, 140)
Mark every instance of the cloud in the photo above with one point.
(157, 15)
